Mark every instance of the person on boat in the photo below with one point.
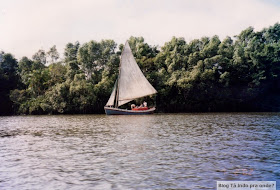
(145, 104)
(132, 106)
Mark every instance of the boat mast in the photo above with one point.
(116, 101)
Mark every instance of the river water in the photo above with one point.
(160, 151)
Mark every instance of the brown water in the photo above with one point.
(169, 151)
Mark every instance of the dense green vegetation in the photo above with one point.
(207, 74)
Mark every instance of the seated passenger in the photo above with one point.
(132, 106)
(145, 104)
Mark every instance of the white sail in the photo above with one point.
(132, 83)
(112, 97)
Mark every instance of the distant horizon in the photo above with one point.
(30, 25)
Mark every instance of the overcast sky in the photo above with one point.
(29, 25)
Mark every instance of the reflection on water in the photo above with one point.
(170, 151)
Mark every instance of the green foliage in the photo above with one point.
(8, 81)
(58, 98)
(40, 56)
(207, 74)
(93, 56)
(57, 72)
(70, 51)
(53, 54)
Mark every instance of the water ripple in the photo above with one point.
(169, 151)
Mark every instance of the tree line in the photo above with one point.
(236, 74)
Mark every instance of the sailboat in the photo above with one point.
(130, 85)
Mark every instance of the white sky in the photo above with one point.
(29, 25)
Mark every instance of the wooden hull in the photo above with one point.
(117, 111)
